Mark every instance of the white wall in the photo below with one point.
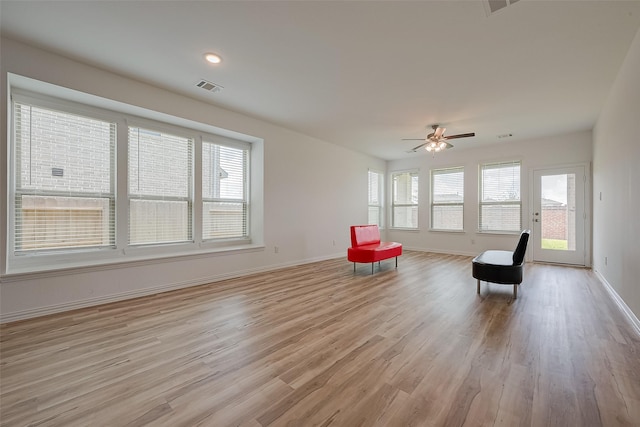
(559, 150)
(313, 191)
(616, 176)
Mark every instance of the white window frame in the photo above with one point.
(176, 132)
(393, 205)
(380, 206)
(16, 191)
(434, 204)
(43, 258)
(244, 200)
(122, 252)
(481, 203)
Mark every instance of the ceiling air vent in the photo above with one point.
(211, 87)
(492, 6)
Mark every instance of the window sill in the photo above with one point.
(439, 230)
(43, 271)
(411, 230)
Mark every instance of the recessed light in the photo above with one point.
(213, 58)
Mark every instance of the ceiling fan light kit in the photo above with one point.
(435, 147)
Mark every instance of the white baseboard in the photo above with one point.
(440, 251)
(624, 308)
(90, 302)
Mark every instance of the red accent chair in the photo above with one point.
(367, 247)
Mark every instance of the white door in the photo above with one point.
(558, 220)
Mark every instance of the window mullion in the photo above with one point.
(196, 209)
(121, 185)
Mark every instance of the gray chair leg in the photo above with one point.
(372, 264)
(396, 262)
(478, 286)
(515, 291)
(354, 267)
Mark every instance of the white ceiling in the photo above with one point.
(360, 74)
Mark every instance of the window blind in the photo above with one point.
(160, 193)
(64, 180)
(447, 199)
(376, 188)
(404, 201)
(224, 191)
(500, 204)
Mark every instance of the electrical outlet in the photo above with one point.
(334, 243)
(473, 241)
(606, 259)
(276, 249)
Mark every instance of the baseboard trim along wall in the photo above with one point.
(624, 308)
(91, 302)
(440, 251)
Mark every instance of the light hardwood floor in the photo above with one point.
(320, 345)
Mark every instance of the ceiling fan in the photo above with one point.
(436, 141)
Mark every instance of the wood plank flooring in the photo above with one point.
(317, 345)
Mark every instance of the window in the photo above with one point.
(64, 193)
(500, 204)
(447, 199)
(160, 195)
(404, 206)
(91, 185)
(224, 192)
(376, 189)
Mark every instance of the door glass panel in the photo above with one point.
(558, 216)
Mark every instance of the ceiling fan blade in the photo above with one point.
(460, 135)
(419, 139)
(414, 149)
